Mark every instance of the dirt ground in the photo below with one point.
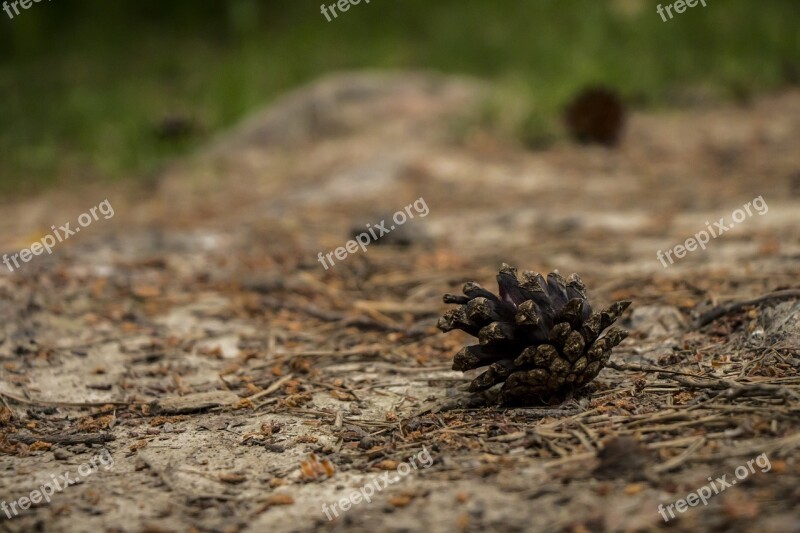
(223, 380)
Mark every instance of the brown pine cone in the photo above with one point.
(539, 338)
(596, 115)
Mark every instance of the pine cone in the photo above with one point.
(539, 337)
(596, 115)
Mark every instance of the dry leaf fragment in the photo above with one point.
(634, 488)
(296, 400)
(313, 469)
(40, 445)
(5, 415)
(161, 420)
(388, 464)
(342, 395)
(138, 445)
(739, 508)
(401, 500)
(233, 478)
(244, 403)
(779, 467)
(275, 499)
(146, 291)
(89, 424)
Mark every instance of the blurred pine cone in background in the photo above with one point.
(596, 115)
(539, 338)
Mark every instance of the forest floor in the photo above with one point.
(221, 379)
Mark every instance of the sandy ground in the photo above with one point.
(223, 380)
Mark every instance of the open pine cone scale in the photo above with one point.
(539, 337)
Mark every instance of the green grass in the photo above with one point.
(83, 83)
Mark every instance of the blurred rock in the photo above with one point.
(656, 320)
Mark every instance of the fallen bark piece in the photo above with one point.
(81, 438)
(199, 401)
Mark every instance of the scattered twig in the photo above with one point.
(678, 460)
(734, 389)
(342, 319)
(733, 307)
(50, 403)
(80, 438)
(631, 367)
(272, 388)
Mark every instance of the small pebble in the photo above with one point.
(60, 454)
(366, 443)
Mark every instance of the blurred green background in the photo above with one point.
(99, 90)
